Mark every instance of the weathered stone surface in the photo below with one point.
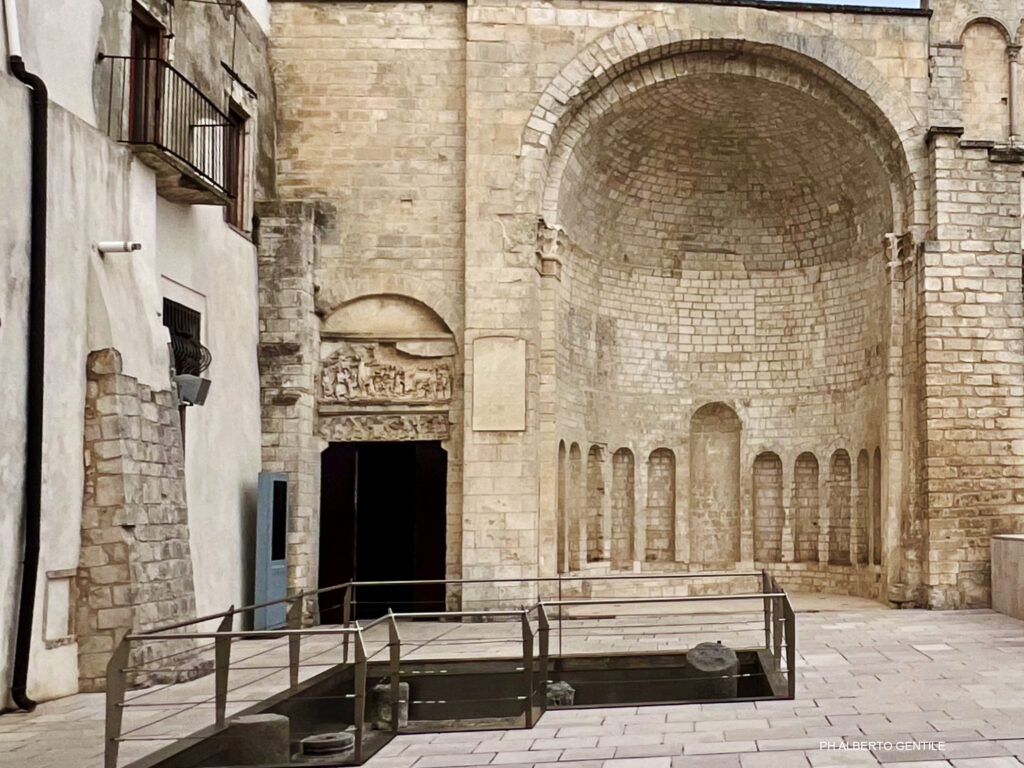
(255, 740)
(714, 670)
(125, 584)
(380, 706)
(801, 218)
(1008, 575)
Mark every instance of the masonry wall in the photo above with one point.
(973, 368)
(372, 120)
(135, 566)
(372, 123)
(816, 328)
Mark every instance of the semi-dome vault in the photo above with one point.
(733, 155)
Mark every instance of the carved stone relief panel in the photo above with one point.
(381, 372)
(363, 427)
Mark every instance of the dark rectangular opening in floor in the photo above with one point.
(489, 694)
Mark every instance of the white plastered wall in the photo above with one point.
(99, 191)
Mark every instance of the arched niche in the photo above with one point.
(595, 535)
(623, 507)
(839, 509)
(715, 485)
(661, 506)
(806, 508)
(769, 514)
(986, 90)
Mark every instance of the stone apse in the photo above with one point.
(685, 287)
(723, 319)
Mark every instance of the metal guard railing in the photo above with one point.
(149, 102)
(537, 625)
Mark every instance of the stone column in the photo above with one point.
(289, 360)
(578, 557)
(682, 492)
(746, 505)
(606, 504)
(788, 554)
(640, 471)
(824, 472)
(901, 524)
(549, 267)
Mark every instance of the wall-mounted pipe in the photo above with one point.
(36, 328)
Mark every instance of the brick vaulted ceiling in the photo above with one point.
(719, 167)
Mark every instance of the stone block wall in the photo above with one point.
(289, 351)
(769, 512)
(372, 124)
(372, 120)
(973, 369)
(135, 568)
(661, 506)
(683, 258)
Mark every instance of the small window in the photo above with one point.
(237, 209)
(144, 77)
(190, 356)
(279, 528)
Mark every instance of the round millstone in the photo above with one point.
(712, 657)
(328, 743)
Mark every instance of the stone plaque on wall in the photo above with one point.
(499, 384)
(381, 372)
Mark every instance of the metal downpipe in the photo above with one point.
(36, 348)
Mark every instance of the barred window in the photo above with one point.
(190, 356)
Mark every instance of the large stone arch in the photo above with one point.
(654, 37)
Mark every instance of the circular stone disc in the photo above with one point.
(327, 743)
(712, 657)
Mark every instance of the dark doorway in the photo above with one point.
(382, 518)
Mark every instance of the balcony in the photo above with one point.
(173, 127)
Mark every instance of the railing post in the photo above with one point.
(294, 621)
(791, 646)
(395, 648)
(528, 670)
(778, 620)
(116, 686)
(765, 589)
(222, 663)
(544, 629)
(359, 705)
(346, 618)
(559, 614)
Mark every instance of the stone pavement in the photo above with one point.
(898, 678)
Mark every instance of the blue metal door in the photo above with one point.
(271, 549)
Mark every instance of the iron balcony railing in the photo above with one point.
(151, 103)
